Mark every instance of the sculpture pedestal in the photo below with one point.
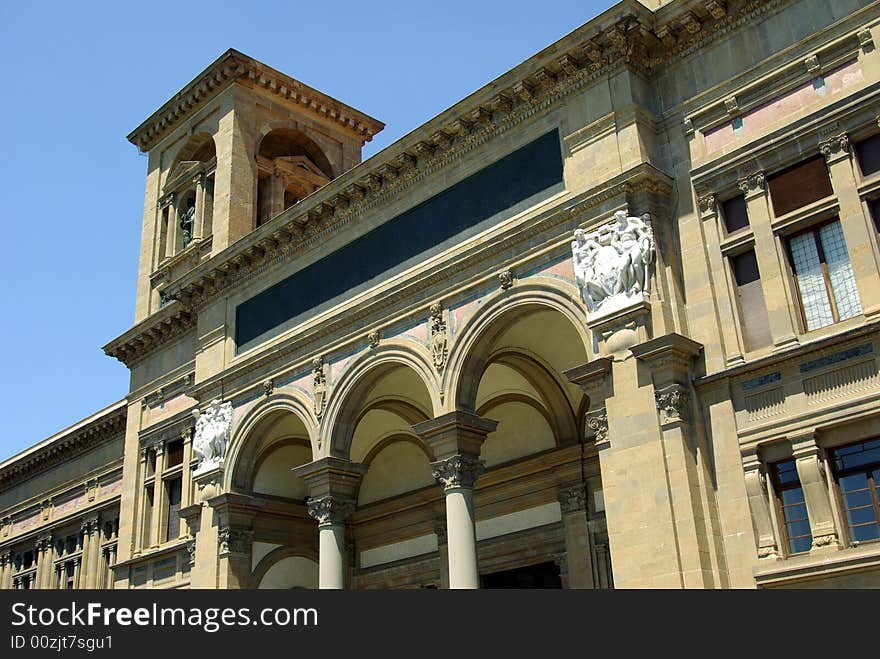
(620, 327)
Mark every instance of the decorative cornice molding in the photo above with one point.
(64, 448)
(231, 67)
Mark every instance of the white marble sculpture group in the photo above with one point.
(613, 264)
(211, 435)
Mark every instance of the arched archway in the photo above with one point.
(290, 166)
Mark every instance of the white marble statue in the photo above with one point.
(613, 264)
(212, 434)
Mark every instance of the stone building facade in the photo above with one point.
(611, 321)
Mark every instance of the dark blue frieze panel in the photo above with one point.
(528, 171)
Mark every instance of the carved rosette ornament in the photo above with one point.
(457, 471)
(234, 541)
(835, 148)
(613, 264)
(319, 386)
(331, 510)
(598, 423)
(211, 435)
(439, 337)
(573, 499)
(673, 404)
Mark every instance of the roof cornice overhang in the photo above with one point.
(86, 434)
(627, 36)
(235, 67)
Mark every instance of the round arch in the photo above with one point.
(281, 139)
(200, 146)
(349, 396)
(242, 456)
(474, 344)
(278, 556)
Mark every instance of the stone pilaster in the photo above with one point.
(858, 230)
(760, 506)
(579, 563)
(811, 474)
(332, 484)
(90, 528)
(456, 439)
(234, 549)
(774, 283)
(158, 498)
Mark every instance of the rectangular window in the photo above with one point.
(857, 473)
(148, 514)
(792, 507)
(799, 186)
(174, 453)
(173, 488)
(824, 276)
(734, 212)
(750, 298)
(868, 154)
(875, 212)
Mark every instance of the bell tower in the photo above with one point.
(236, 146)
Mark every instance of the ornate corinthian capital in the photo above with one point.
(835, 148)
(457, 471)
(331, 509)
(672, 403)
(572, 499)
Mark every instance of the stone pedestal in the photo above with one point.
(619, 330)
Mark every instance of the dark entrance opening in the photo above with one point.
(542, 575)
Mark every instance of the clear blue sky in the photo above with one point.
(79, 76)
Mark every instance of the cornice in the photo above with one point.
(169, 322)
(235, 67)
(625, 36)
(67, 445)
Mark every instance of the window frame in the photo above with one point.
(782, 521)
(838, 491)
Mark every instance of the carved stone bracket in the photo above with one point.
(331, 509)
(233, 541)
(268, 386)
(505, 279)
(572, 499)
(673, 403)
(457, 471)
(373, 339)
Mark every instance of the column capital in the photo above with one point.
(457, 471)
(572, 498)
(836, 148)
(231, 540)
(331, 476)
(598, 422)
(708, 205)
(753, 185)
(331, 509)
(457, 433)
(673, 403)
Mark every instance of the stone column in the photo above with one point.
(173, 227)
(5, 570)
(158, 497)
(811, 474)
(43, 578)
(723, 296)
(759, 505)
(77, 572)
(332, 484)
(198, 230)
(858, 230)
(578, 563)
(92, 527)
(186, 497)
(234, 547)
(777, 293)
(82, 582)
(456, 439)
(111, 561)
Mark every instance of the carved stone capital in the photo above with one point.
(232, 541)
(457, 471)
(673, 402)
(572, 498)
(708, 204)
(598, 423)
(191, 551)
(330, 509)
(753, 184)
(835, 148)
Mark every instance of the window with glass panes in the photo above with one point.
(824, 276)
(857, 472)
(792, 507)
